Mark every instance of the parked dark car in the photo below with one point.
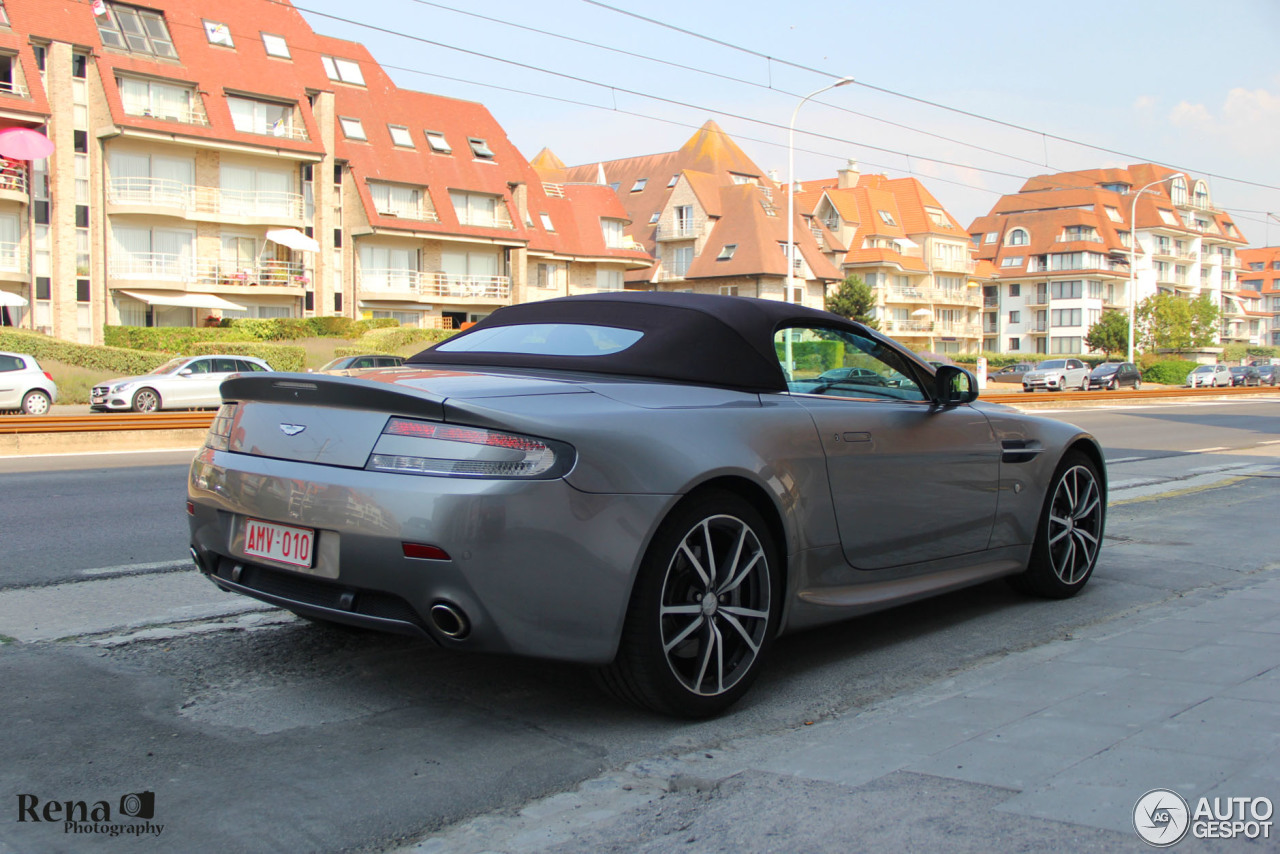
(1113, 375)
(1245, 375)
(1267, 374)
(562, 480)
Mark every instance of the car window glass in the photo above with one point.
(545, 339)
(224, 366)
(199, 366)
(366, 362)
(843, 363)
(10, 363)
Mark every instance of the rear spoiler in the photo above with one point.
(344, 392)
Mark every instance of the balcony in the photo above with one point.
(498, 218)
(1037, 299)
(13, 181)
(418, 212)
(991, 302)
(278, 129)
(910, 327)
(951, 265)
(160, 195)
(680, 231)
(14, 87)
(13, 262)
(206, 272)
(186, 114)
(416, 284)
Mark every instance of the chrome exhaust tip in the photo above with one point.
(449, 620)
(195, 557)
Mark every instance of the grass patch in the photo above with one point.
(74, 382)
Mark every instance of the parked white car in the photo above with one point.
(24, 386)
(1209, 376)
(187, 382)
(1057, 375)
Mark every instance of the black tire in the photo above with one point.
(1137, 384)
(1114, 385)
(1068, 533)
(1084, 383)
(681, 653)
(35, 402)
(146, 400)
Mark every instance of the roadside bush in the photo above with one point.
(166, 339)
(294, 328)
(1244, 353)
(281, 357)
(1169, 372)
(392, 341)
(117, 360)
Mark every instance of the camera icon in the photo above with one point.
(138, 804)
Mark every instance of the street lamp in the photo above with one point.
(791, 185)
(1133, 255)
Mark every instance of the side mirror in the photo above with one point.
(954, 386)
(185, 372)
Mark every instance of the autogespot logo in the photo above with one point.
(1161, 817)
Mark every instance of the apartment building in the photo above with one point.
(912, 253)
(1260, 286)
(1062, 248)
(224, 160)
(711, 219)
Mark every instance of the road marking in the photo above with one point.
(1270, 442)
(1124, 460)
(136, 568)
(1206, 450)
(100, 453)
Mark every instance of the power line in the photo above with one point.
(926, 102)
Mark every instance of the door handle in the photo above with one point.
(853, 437)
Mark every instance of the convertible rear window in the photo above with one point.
(545, 339)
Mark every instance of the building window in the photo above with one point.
(1113, 214)
(1065, 317)
(654, 217)
(153, 99)
(480, 209)
(613, 230)
(1012, 261)
(480, 148)
(549, 276)
(684, 220)
(681, 258)
(218, 33)
(352, 128)
(639, 184)
(1066, 345)
(726, 252)
(263, 117)
(438, 143)
(1015, 317)
(546, 222)
(10, 77)
(398, 200)
(608, 280)
(1168, 217)
(991, 237)
(728, 290)
(673, 180)
(1067, 290)
(400, 135)
(342, 70)
(137, 30)
(275, 46)
(887, 218)
(1015, 290)
(1019, 237)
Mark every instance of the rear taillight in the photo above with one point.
(47, 375)
(409, 446)
(219, 436)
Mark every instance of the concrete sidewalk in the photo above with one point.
(1047, 749)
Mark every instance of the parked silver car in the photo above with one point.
(654, 483)
(24, 386)
(1057, 375)
(1209, 376)
(344, 365)
(187, 382)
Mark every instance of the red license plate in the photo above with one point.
(283, 543)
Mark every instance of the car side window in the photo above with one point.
(224, 366)
(199, 366)
(843, 363)
(10, 363)
(365, 362)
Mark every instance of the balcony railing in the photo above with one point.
(916, 326)
(190, 199)
(991, 302)
(14, 87)
(555, 191)
(187, 114)
(12, 258)
(953, 265)
(1037, 299)
(281, 130)
(419, 212)
(13, 177)
(498, 219)
(680, 231)
(170, 267)
(436, 285)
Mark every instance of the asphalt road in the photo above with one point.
(73, 517)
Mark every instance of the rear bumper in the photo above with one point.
(537, 567)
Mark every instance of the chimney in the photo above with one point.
(849, 175)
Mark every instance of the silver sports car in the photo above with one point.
(657, 484)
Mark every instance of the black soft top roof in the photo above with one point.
(693, 338)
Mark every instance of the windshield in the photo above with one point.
(169, 366)
(337, 363)
(1203, 369)
(1053, 364)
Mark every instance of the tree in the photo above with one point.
(1175, 323)
(853, 299)
(1110, 334)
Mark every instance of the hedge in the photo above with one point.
(394, 340)
(1169, 372)
(117, 360)
(294, 328)
(281, 357)
(1247, 352)
(168, 339)
(1002, 360)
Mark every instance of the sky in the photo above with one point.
(1015, 88)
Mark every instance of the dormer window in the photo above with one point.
(269, 118)
(613, 230)
(887, 218)
(342, 70)
(639, 185)
(673, 180)
(137, 30)
(1018, 237)
(480, 148)
(438, 143)
(654, 217)
(547, 223)
(402, 201)
(276, 46)
(1113, 214)
(157, 100)
(218, 33)
(1168, 217)
(726, 252)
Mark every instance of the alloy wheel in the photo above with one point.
(715, 605)
(1075, 524)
